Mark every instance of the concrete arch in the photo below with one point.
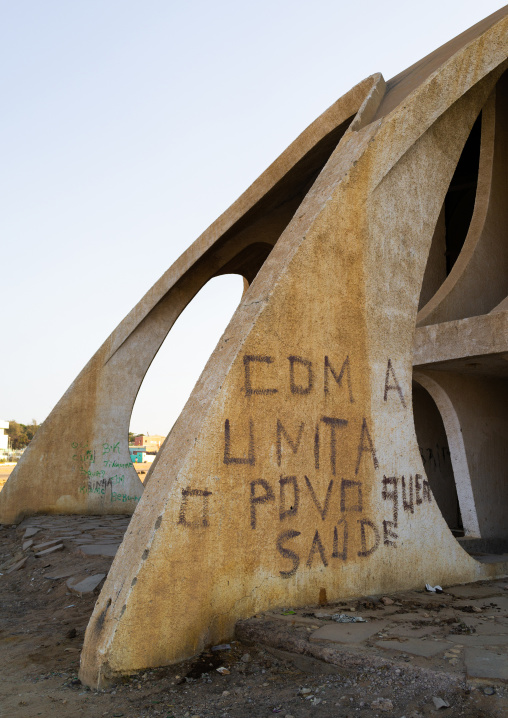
(478, 280)
(457, 453)
(79, 460)
(209, 543)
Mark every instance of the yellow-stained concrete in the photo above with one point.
(294, 471)
(294, 474)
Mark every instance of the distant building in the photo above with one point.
(140, 456)
(4, 438)
(151, 443)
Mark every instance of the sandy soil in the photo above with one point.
(42, 624)
(5, 472)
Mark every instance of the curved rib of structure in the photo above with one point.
(294, 469)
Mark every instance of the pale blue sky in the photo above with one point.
(127, 128)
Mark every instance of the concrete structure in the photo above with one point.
(4, 438)
(297, 471)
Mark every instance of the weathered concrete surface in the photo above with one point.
(293, 474)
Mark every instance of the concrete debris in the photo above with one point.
(87, 585)
(439, 703)
(47, 551)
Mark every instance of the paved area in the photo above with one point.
(463, 630)
(413, 652)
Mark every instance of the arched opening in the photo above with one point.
(460, 198)
(455, 216)
(435, 453)
(177, 366)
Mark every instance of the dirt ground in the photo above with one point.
(5, 472)
(42, 624)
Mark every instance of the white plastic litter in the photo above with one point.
(433, 589)
(345, 618)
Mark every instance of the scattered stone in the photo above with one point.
(47, 551)
(387, 601)
(439, 703)
(17, 566)
(382, 704)
(222, 647)
(46, 544)
(489, 690)
(71, 633)
(27, 544)
(62, 573)
(223, 671)
(30, 532)
(304, 691)
(246, 658)
(95, 549)
(87, 585)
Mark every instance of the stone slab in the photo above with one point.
(87, 585)
(27, 544)
(480, 640)
(485, 664)
(408, 617)
(31, 531)
(46, 544)
(100, 549)
(62, 573)
(409, 632)
(471, 590)
(47, 551)
(415, 647)
(17, 565)
(347, 632)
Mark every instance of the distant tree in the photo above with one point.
(131, 437)
(21, 434)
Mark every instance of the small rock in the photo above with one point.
(246, 658)
(316, 701)
(72, 633)
(222, 647)
(382, 704)
(477, 609)
(223, 671)
(304, 691)
(387, 601)
(489, 690)
(225, 693)
(439, 703)
(27, 544)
